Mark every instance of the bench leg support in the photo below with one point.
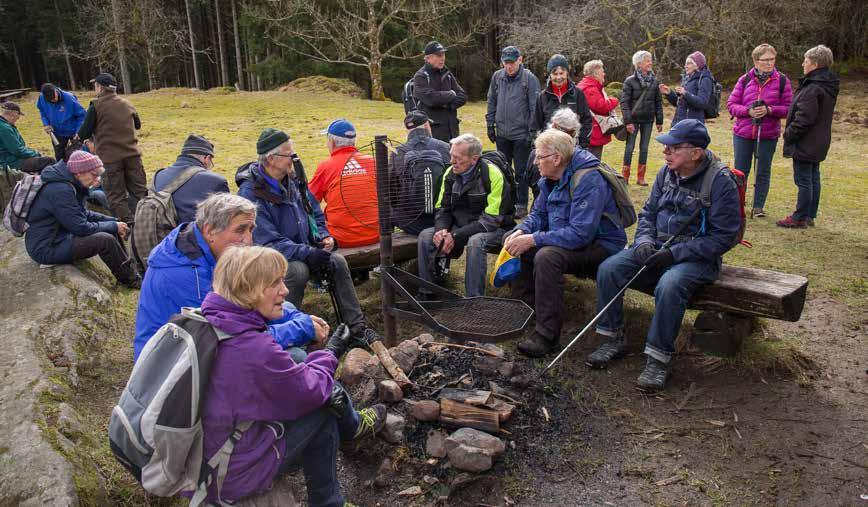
(720, 333)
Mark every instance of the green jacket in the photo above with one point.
(12, 147)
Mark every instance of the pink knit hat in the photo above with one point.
(82, 162)
(698, 58)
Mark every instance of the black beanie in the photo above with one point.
(557, 61)
(48, 91)
(197, 145)
(269, 140)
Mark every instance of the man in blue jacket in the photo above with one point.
(61, 114)
(573, 226)
(675, 273)
(290, 220)
(181, 267)
(197, 152)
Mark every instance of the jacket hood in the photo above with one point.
(583, 159)
(591, 81)
(229, 317)
(825, 78)
(57, 172)
(180, 248)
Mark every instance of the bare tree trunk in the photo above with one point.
(65, 49)
(122, 56)
(18, 65)
(198, 82)
(224, 70)
(213, 70)
(238, 64)
(375, 64)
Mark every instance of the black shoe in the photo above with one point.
(654, 376)
(536, 345)
(134, 284)
(611, 349)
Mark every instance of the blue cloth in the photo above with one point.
(194, 191)
(180, 270)
(697, 92)
(475, 266)
(312, 443)
(669, 206)
(556, 219)
(65, 116)
(673, 287)
(807, 178)
(58, 214)
(744, 150)
(643, 130)
(281, 222)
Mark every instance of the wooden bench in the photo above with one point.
(728, 306)
(13, 94)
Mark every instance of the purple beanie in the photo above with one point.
(82, 162)
(698, 58)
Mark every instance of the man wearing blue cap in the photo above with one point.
(438, 93)
(511, 105)
(674, 273)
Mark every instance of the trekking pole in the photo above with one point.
(593, 321)
(758, 123)
(54, 141)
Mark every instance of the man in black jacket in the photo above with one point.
(809, 132)
(438, 93)
(560, 92)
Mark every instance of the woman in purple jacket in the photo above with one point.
(758, 102)
(299, 412)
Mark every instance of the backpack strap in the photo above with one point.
(219, 462)
(185, 176)
(782, 84)
(576, 178)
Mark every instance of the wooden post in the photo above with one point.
(390, 332)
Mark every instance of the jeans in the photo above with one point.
(516, 153)
(298, 274)
(673, 288)
(542, 273)
(643, 131)
(124, 179)
(744, 151)
(474, 271)
(807, 178)
(109, 249)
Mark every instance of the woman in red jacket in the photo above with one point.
(599, 103)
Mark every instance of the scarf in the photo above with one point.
(646, 79)
(762, 77)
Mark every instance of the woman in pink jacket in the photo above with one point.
(759, 101)
(598, 102)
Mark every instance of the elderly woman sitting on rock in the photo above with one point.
(61, 230)
(299, 412)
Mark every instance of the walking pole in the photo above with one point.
(758, 123)
(593, 321)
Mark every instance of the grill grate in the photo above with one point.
(480, 316)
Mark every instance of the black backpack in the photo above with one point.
(415, 188)
(712, 110)
(497, 158)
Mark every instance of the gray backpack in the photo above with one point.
(156, 215)
(20, 202)
(155, 430)
(626, 211)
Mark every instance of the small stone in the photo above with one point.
(435, 446)
(427, 479)
(353, 368)
(405, 354)
(389, 391)
(506, 369)
(478, 439)
(521, 381)
(68, 422)
(411, 491)
(424, 338)
(185, 105)
(497, 351)
(374, 370)
(470, 459)
(425, 410)
(384, 473)
(487, 364)
(394, 430)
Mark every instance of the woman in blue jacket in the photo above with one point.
(692, 97)
(61, 230)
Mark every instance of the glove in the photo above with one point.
(339, 341)
(643, 251)
(338, 400)
(492, 134)
(318, 259)
(661, 259)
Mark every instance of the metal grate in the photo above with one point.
(482, 316)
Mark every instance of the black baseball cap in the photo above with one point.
(510, 54)
(415, 119)
(434, 47)
(104, 79)
(11, 106)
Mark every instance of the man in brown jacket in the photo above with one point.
(112, 122)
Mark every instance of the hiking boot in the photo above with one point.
(757, 213)
(809, 222)
(640, 175)
(371, 421)
(654, 376)
(536, 345)
(611, 349)
(520, 212)
(791, 223)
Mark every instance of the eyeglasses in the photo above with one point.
(543, 157)
(281, 155)
(766, 60)
(672, 149)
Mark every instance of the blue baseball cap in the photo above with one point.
(506, 269)
(341, 128)
(510, 54)
(686, 131)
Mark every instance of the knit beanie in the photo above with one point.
(82, 162)
(197, 145)
(557, 61)
(269, 140)
(698, 58)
